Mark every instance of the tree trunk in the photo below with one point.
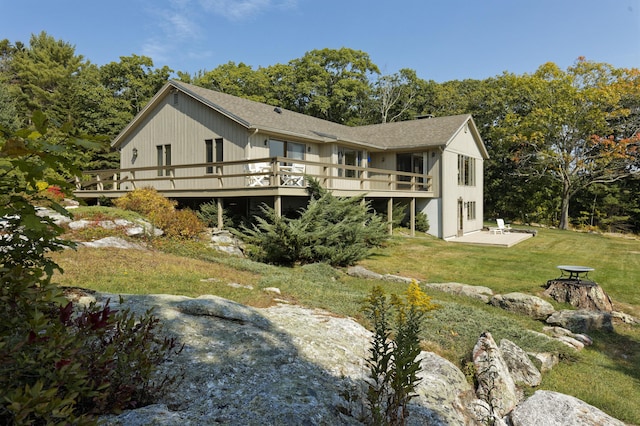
(579, 293)
(564, 206)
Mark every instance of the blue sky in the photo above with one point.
(440, 39)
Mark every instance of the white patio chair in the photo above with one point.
(296, 178)
(255, 179)
(501, 228)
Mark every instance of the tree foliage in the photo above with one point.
(58, 364)
(550, 135)
(99, 102)
(564, 133)
(44, 77)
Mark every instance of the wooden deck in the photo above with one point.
(242, 179)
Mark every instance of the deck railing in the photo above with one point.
(276, 172)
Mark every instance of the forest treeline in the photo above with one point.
(563, 143)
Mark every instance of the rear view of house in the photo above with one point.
(195, 144)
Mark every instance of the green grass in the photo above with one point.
(525, 267)
(599, 375)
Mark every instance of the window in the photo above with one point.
(167, 158)
(213, 153)
(349, 157)
(295, 150)
(471, 210)
(412, 163)
(286, 149)
(466, 170)
(208, 143)
(160, 158)
(163, 154)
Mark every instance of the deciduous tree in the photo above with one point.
(565, 133)
(332, 84)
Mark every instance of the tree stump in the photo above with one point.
(579, 293)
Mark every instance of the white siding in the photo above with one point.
(463, 143)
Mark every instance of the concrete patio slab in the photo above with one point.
(489, 239)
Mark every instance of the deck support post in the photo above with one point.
(277, 205)
(220, 213)
(390, 215)
(412, 214)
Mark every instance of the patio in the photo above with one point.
(491, 239)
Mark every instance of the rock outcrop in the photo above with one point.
(520, 366)
(582, 320)
(113, 242)
(495, 384)
(225, 241)
(555, 409)
(445, 391)
(292, 365)
(361, 272)
(525, 304)
(473, 291)
(280, 365)
(135, 228)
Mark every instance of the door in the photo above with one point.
(412, 163)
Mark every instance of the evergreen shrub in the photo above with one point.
(208, 213)
(335, 230)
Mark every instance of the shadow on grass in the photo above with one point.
(622, 347)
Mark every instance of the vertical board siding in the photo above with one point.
(185, 127)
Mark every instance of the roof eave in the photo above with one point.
(476, 136)
(129, 127)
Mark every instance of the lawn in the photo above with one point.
(525, 267)
(598, 375)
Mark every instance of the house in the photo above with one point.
(195, 144)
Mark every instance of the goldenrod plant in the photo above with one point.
(393, 360)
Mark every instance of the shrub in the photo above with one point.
(146, 201)
(393, 363)
(422, 222)
(339, 231)
(183, 224)
(121, 353)
(208, 213)
(81, 363)
(162, 212)
(57, 367)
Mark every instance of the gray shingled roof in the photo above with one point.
(264, 117)
(420, 132)
(255, 115)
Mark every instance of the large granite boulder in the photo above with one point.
(522, 370)
(555, 409)
(526, 304)
(582, 320)
(445, 391)
(362, 272)
(495, 384)
(473, 291)
(136, 228)
(225, 241)
(113, 242)
(284, 364)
